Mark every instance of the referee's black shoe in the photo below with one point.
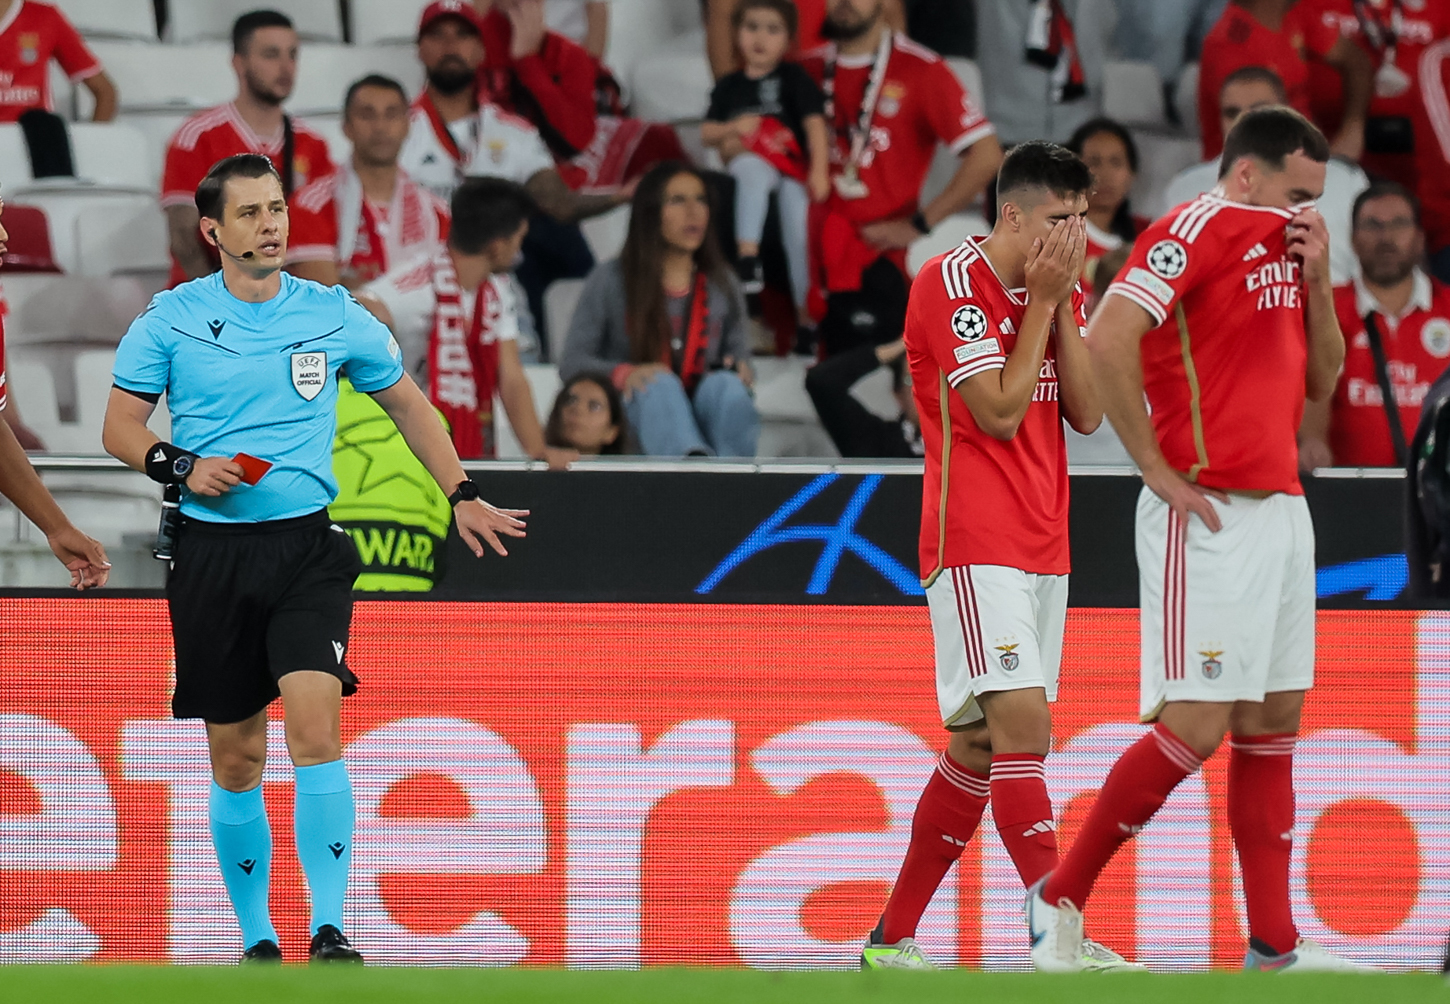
(263, 953)
(328, 945)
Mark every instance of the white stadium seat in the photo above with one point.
(168, 77)
(560, 301)
(1133, 94)
(673, 82)
(109, 156)
(386, 21)
(605, 233)
(970, 74)
(947, 234)
(124, 228)
(1185, 99)
(639, 28)
(545, 384)
(201, 20)
(324, 73)
(111, 18)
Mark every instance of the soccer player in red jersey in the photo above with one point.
(994, 341)
(1224, 316)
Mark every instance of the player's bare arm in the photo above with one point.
(999, 399)
(518, 404)
(126, 437)
(181, 227)
(1114, 334)
(1309, 242)
(1314, 449)
(478, 522)
(82, 556)
(1077, 392)
(566, 205)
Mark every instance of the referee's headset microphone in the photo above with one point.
(233, 257)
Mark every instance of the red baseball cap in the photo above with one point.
(440, 9)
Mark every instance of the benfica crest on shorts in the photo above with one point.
(309, 373)
(1212, 668)
(1010, 659)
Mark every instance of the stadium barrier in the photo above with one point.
(617, 785)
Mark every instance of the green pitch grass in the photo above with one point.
(198, 985)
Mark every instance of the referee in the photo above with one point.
(260, 592)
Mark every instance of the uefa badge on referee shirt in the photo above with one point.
(309, 373)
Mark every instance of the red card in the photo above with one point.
(252, 467)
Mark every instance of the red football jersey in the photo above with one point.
(1417, 350)
(984, 501)
(1432, 144)
(921, 103)
(1225, 367)
(31, 35)
(220, 132)
(1239, 40)
(414, 224)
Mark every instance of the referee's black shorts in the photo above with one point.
(252, 602)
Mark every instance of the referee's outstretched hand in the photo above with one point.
(479, 522)
(83, 557)
(215, 476)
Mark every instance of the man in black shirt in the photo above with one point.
(855, 430)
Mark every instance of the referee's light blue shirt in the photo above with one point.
(258, 378)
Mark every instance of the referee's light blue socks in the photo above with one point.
(243, 843)
(324, 816)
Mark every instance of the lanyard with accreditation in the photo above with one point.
(848, 183)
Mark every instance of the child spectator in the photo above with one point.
(768, 122)
(588, 417)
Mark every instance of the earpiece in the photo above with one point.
(233, 257)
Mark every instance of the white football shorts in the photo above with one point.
(1226, 616)
(996, 628)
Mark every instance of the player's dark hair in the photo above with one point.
(642, 261)
(372, 80)
(211, 194)
(485, 210)
(1255, 75)
(1042, 165)
(785, 8)
(244, 27)
(554, 429)
(1385, 190)
(1271, 134)
(1122, 225)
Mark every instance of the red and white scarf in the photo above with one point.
(1052, 45)
(371, 243)
(463, 361)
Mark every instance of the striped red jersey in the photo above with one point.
(1224, 367)
(984, 501)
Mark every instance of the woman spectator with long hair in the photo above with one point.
(1110, 154)
(667, 322)
(588, 417)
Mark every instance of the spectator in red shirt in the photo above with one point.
(31, 35)
(264, 58)
(1411, 320)
(1278, 35)
(720, 36)
(880, 156)
(1108, 150)
(1394, 34)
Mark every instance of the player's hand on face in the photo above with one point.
(214, 476)
(83, 557)
(1185, 497)
(480, 523)
(1050, 275)
(1309, 242)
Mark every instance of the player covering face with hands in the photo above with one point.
(260, 590)
(1224, 318)
(994, 341)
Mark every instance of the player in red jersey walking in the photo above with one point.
(1224, 316)
(994, 340)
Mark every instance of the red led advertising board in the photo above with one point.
(611, 785)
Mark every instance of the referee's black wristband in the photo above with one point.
(169, 465)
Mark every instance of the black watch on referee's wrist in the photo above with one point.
(918, 220)
(466, 491)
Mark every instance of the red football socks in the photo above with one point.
(1261, 816)
(1136, 788)
(946, 817)
(1023, 813)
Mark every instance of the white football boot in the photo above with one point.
(1056, 932)
(903, 955)
(1307, 957)
(1099, 958)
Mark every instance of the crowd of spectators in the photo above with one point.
(825, 121)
